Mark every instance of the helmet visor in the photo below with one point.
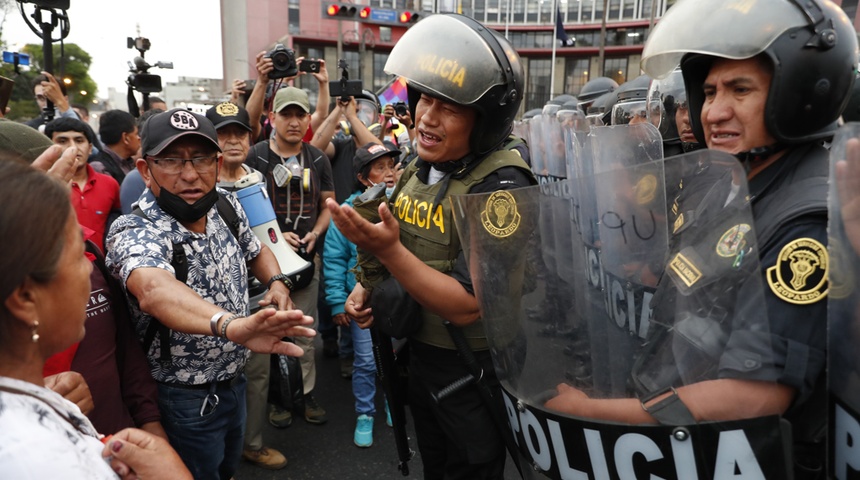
(732, 29)
(630, 113)
(461, 69)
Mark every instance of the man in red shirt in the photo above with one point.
(95, 196)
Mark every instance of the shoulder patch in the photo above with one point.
(800, 273)
(685, 269)
(500, 217)
(733, 240)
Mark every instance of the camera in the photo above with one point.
(344, 88)
(400, 108)
(310, 66)
(283, 61)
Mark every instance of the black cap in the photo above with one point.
(164, 128)
(370, 152)
(226, 113)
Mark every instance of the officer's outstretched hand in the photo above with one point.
(379, 239)
(569, 400)
(848, 185)
(262, 332)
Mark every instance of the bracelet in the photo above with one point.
(213, 322)
(227, 322)
(316, 235)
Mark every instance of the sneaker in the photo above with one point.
(363, 431)
(265, 457)
(313, 412)
(280, 418)
(330, 347)
(388, 415)
(346, 366)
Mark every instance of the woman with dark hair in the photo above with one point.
(44, 291)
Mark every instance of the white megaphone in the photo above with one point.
(255, 201)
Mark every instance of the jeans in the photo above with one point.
(210, 444)
(364, 371)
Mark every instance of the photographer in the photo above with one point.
(360, 111)
(400, 111)
(258, 103)
(46, 87)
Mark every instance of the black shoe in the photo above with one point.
(314, 413)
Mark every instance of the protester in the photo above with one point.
(121, 140)
(373, 164)
(198, 364)
(45, 289)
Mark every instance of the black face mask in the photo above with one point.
(179, 209)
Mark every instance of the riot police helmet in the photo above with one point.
(593, 89)
(665, 96)
(810, 45)
(553, 106)
(470, 65)
(631, 99)
(531, 113)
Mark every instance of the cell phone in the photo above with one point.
(22, 58)
(6, 85)
(310, 66)
(344, 88)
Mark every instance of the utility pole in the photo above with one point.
(602, 40)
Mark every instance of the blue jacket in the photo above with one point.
(339, 258)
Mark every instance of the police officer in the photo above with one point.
(464, 90)
(769, 96)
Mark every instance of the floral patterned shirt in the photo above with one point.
(217, 271)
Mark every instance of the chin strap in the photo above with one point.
(759, 154)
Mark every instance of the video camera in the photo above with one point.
(283, 62)
(344, 88)
(140, 79)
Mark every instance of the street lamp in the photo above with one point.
(67, 81)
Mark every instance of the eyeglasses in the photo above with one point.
(174, 166)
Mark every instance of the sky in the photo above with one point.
(185, 32)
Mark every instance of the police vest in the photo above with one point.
(428, 231)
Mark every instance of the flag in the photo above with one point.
(394, 92)
(560, 33)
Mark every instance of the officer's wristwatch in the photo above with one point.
(282, 277)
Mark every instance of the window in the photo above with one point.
(616, 69)
(380, 78)
(614, 11)
(293, 18)
(575, 75)
(537, 87)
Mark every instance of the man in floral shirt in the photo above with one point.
(196, 330)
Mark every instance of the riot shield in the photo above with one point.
(843, 363)
(537, 148)
(668, 300)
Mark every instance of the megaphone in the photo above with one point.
(255, 201)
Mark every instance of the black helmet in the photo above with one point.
(553, 106)
(810, 44)
(664, 98)
(455, 58)
(595, 88)
(631, 98)
(531, 113)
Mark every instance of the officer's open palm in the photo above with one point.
(848, 185)
(262, 332)
(378, 239)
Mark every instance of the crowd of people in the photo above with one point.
(148, 330)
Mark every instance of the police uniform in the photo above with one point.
(459, 430)
(789, 208)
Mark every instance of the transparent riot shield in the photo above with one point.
(668, 303)
(843, 363)
(537, 148)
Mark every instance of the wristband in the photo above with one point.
(282, 277)
(213, 322)
(227, 322)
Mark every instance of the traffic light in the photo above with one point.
(364, 13)
(341, 11)
(409, 17)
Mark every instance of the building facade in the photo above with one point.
(251, 26)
